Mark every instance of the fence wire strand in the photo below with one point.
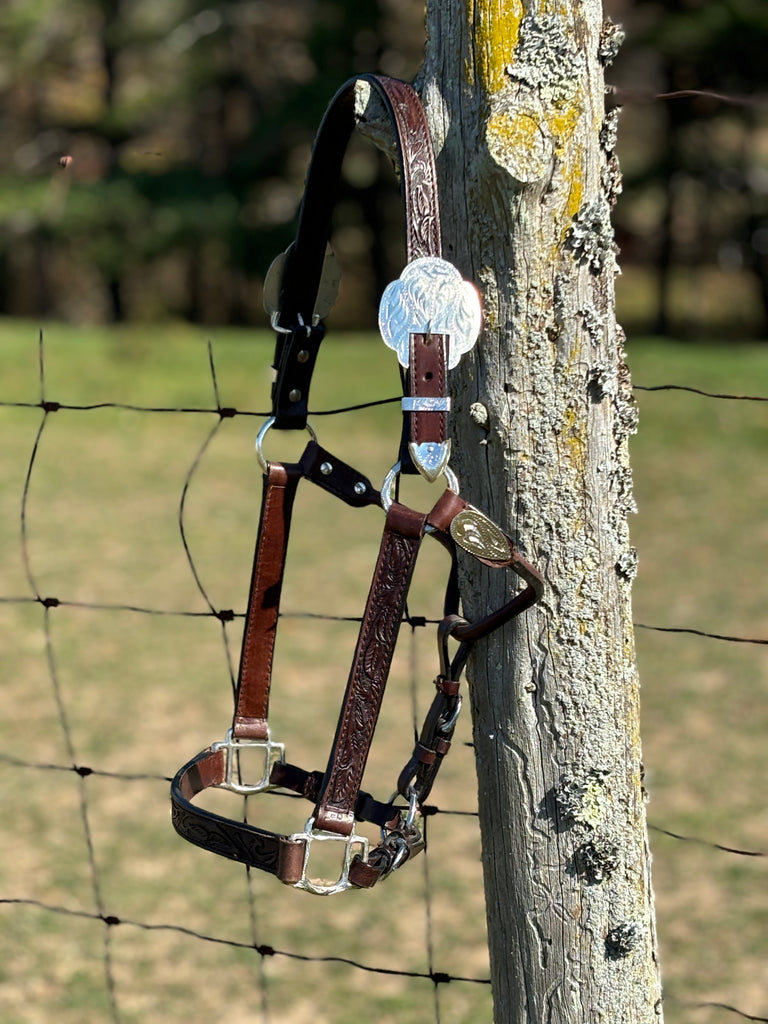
(48, 604)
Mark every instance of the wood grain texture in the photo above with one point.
(543, 412)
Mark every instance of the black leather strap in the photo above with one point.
(298, 340)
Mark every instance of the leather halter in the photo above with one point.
(427, 284)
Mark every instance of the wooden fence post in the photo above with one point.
(543, 410)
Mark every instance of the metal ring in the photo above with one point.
(263, 433)
(389, 484)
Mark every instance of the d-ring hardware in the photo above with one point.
(263, 433)
(388, 487)
(351, 842)
(274, 753)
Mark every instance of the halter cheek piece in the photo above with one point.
(429, 316)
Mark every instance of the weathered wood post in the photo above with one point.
(514, 93)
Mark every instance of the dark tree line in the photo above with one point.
(189, 124)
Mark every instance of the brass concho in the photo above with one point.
(479, 536)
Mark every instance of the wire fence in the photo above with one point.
(85, 771)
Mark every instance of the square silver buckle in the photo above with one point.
(352, 843)
(274, 753)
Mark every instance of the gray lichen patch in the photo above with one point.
(623, 939)
(611, 38)
(626, 564)
(478, 413)
(611, 180)
(602, 382)
(583, 800)
(590, 237)
(609, 130)
(547, 58)
(594, 324)
(596, 861)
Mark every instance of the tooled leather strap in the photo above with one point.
(403, 533)
(298, 340)
(340, 800)
(269, 851)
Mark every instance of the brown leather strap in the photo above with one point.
(279, 492)
(383, 614)
(252, 698)
(427, 380)
(418, 185)
(268, 851)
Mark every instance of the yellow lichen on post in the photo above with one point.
(496, 28)
(517, 142)
(564, 121)
(573, 440)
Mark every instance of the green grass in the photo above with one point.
(143, 693)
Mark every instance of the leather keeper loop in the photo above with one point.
(423, 754)
(447, 686)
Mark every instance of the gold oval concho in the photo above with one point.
(479, 536)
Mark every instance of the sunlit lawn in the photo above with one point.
(141, 693)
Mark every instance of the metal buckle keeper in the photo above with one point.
(274, 753)
(311, 835)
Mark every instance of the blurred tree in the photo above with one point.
(696, 193)
(189, 125)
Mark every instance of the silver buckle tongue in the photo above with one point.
(351, 842)
(274, 753)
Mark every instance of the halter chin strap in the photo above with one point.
(429, 317)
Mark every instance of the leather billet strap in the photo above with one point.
(252, 696)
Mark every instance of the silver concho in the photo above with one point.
(327, 291)
(430, 296)
(479, 536)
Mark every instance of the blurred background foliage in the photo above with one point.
(189, 125)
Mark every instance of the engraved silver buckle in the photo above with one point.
(312, 835)
(430, 297)
(274, 753)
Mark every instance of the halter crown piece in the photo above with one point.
(429, 317)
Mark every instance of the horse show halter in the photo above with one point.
(430, 316)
